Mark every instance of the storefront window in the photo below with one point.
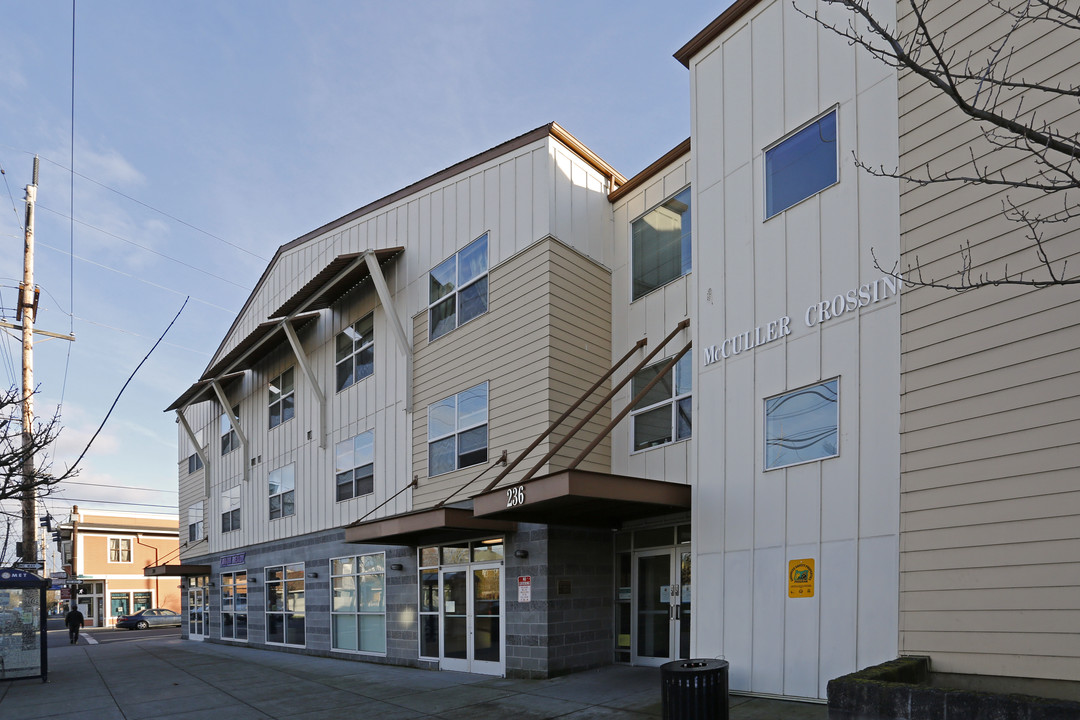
(234, 605)
(358, 610)
(285, 623)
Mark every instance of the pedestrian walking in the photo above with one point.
(74, 620)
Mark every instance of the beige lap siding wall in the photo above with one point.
(545, 339)
(990, 508)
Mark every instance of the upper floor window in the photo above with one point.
(230, 509)
(802, 164)
(662, 416)
(282, 402)
(195, 521)
(120, 550)
(660, 245)
(282, 489)
(802, 425)
(229, 439)
(458, 431)
(194, 463)
(355, 355)
(354, 466)
(458, 288)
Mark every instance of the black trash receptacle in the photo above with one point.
(694, 690)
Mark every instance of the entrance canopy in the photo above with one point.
(425, 527)
(176, 570)
(577, 497)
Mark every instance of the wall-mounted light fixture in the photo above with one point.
(212, 584)
(252, 580)
(521, 554)
(313, 574)
(397, 566)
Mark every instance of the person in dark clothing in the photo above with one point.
(74, 620)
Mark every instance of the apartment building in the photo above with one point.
(108, 553)
(527, 416)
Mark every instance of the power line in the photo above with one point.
(196, 228)
(136, 277)
(147, 337)
(143, 247)
(117, 487)
(107, 502)
(12, 197)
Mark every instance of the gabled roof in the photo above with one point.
(713, 30)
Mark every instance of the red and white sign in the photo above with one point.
(524, 588)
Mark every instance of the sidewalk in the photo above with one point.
(172, 679)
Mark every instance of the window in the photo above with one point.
(285, 604)
(458, 289)
(229, 439)
(801, 165)
(354, 466)
(282, 406)
(355, 354)
(282, 492)
(234, 605)
(660, 245)
(194, 463)
(230, 509)
(457, 431)
(195, 521)
(802, 426)
(119, 550)
(662, 416)
(358, 612)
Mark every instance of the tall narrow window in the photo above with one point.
(801, 165)
(195, 522)
(281, 398)
(355, 353)
(660, 245)
(358, 612)
(285, 604)
(458, 431)
(229, 439)
(234, 605)
(230, 509)
(662, 416)
(354, 466)
(282, 491)
(194, 463)
(458, 289)
(802, 425)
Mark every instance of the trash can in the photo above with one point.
(694, 690)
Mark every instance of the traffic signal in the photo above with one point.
(56, 536)
(19, 548)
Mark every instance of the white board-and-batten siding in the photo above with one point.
(516, 198)
(749, 90)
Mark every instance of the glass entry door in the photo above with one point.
(472, 626)
(197, 615)
(661, 606)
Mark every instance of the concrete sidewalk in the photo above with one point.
(172, 679)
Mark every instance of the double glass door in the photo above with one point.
(472, 627)
(661, 606)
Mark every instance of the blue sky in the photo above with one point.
(206, 134)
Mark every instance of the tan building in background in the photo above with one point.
(107, 553)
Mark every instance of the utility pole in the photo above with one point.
(28, 311)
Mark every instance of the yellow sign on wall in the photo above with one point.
(801, 578)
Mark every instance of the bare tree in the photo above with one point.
(14, 452)
(1023, 152)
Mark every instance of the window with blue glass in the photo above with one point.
(802, 425)
(458, 288)
(801, 165)
(458, 431)
(660, 245)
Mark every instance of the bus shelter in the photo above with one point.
(23, 625)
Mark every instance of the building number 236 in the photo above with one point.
(515, 496)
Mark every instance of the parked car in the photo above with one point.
(151, 617)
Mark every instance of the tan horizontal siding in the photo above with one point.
(984, 556)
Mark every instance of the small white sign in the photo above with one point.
(524, 588)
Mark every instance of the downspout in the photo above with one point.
(157, 587)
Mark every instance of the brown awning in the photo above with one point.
(424, 527)
(339, 276)
(576, 497)
(259, 343)
(196, 392)
(176, 570)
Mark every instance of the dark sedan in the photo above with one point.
(151, 617)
